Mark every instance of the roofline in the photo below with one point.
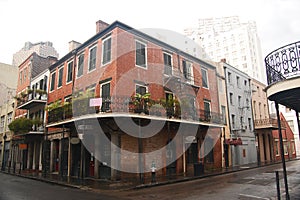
(26, 59)
(226, 65)
(118, 24)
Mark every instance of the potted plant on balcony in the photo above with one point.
(21, 125)
(37, 122)
(171, 106)
(81, 103)
(55, 111)
(42, 94)
(141, 103)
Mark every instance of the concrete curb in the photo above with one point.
(142, 185)
(45, 180)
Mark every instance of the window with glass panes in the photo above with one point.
(187, 70)
(52, 85)
(204, 78)
(139, 89)
(207, 110)
(70, 72)
(106, 50)
(105, 95)
(80, 65)
(92, 58)
(60, 77)
(167, 64)
(140, 54)
(223, 110)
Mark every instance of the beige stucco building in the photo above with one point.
(263, 124)
(8, 84)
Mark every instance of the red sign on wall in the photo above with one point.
(237, 141)
(22, 146)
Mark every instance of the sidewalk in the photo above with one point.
(100, 184)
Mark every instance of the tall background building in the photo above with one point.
(228, 38)
(43, 49)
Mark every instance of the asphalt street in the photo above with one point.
(248, 184)
(18, 188)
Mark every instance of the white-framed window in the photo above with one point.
(106, 50)
(60, 76)
(140, 89)
(188, 71)
(285, 147)
(52, 83)
(167, 63)
(204, 78)
(2, 123)
(276, 144)
(68, 99)
(92, 58)
(69, 72)
(105, 95)
(80, 65)
(9, 118)
(105, 90)
(140, 54)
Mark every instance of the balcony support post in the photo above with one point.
(298, 123)
(282, 152)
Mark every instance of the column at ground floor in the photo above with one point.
(118, 155)
(265, 146)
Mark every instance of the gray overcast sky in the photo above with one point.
(61, 21)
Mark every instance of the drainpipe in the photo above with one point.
(228, 117)
(282, 152)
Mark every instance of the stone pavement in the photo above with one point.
(99, 184)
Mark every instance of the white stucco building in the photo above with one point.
(242, 139)
(43, 49)
(228, 38)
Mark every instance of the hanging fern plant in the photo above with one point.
(21, 125)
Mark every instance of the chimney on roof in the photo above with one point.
(73, 45)
(223, 60)
(101, 25)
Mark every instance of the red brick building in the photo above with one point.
(134, 102)
(31, 95)
(288, 141)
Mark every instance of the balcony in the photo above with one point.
(61, 113)
(283, 75)
(127, 106)
(267, 124)
(30, 100)
(174, 79)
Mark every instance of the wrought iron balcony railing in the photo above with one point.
(267, 123)
(127, 105)
(179, 76)
(283, 63)
(26, 101)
